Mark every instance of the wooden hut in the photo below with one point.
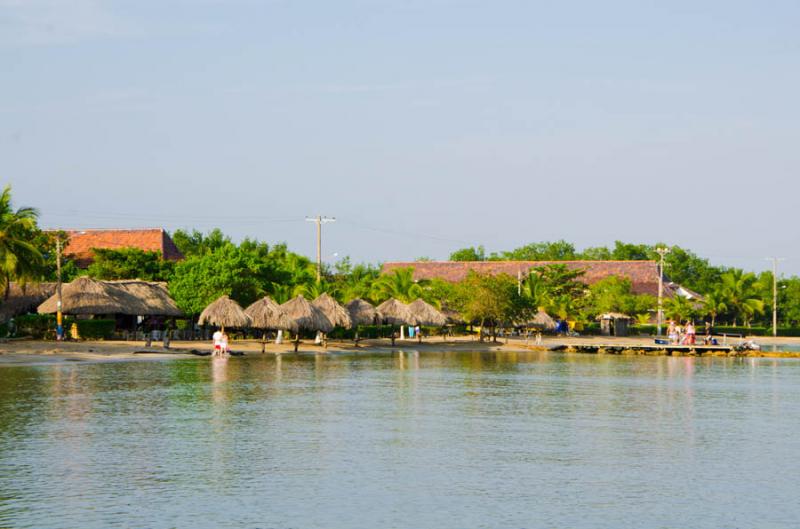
(89, 297)
(614, 324)
(23, 299)
(302, 315)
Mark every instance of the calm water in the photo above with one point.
(442, 440)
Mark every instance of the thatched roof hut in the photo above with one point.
(89, 296)
(335, 313)
(266, 314)
(396, 312)
(453, 316)
(302, 315)
(543, 320)
(426, 314)
(362, 312)
(22, 299)
(129, 297)
(224, 312)
(154, 296)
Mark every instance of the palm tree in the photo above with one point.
(714, 304)
(19, 259)
(679, 308)
(740, 290)
(399, 285)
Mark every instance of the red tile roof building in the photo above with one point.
(81, 243)
(643, 274)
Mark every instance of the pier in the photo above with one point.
(649, 349)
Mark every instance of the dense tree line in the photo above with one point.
(247, 270)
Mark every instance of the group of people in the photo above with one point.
(220, 343)
(687, 334)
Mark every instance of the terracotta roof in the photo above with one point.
(643, 274)
(81, 243)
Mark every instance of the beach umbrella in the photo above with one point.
(426, 314)
(86, 296)
(395, 312)
(266, 314)
(335, 313)
(302, 315)
(362, 313)
(224, 312)
(543, 320)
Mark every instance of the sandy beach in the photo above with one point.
(15, 352)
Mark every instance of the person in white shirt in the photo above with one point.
(217, 337)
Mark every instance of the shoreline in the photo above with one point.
(27, 352)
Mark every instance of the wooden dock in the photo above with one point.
(648, 349)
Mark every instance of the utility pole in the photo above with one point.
(319, 220)
(774, 293)
(661, 252)
(59, 316)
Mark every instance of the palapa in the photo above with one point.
(543, 320)
(153, 295)
(85, 296)
(426, 314)
(224, 312)
(302, 315)
(23, 298)
(266, 314)
(335, 313)
(396, 312)
(362, 312)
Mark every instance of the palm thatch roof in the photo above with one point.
(153, 294)
(224, 312)
(89, 296)
(131, 297)
(266, 314)
(614, 316)
(302, 315)
(453, 316)
(543, 320)
(337, 314)
(396, 312)
(22, 299)
(427, 314)
(362, 312)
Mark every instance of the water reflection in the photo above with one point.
(468, 439)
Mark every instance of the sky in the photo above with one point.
(421, 126)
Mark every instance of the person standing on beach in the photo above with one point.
(690, 333)
(217, 338)
(223, 344)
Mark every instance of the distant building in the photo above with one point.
(642, 274)
(81, 243)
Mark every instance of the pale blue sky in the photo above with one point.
(423, 126)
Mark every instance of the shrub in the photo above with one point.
(96, 329)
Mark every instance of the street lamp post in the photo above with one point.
(660, 316)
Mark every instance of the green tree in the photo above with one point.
(492, 301)
(555, 289)
(679, 308)
(598, 253)
(20, 260)
(741, 291)
(399, 284)
(197, 243)
(614, 294)
(540, 251)
(469, 254)
(129, 263)
(714, 304)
